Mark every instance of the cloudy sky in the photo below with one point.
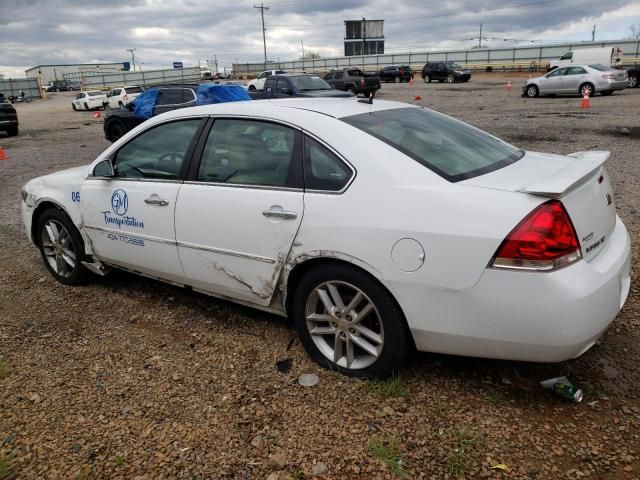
(36, 32)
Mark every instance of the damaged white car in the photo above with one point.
(377, 228)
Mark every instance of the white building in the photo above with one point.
(47, 73)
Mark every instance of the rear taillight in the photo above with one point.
(125, 98)
(544, 240)
(609, 75)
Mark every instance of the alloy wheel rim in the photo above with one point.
(633, 81)
(57, 246)
(344, 324)
(531, 91)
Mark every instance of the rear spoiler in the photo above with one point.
(569, 176)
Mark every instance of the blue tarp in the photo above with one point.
(209, 93)
(145, 103)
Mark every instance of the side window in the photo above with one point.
(175, 96)
(576, 71)
(262, 75)
(567, 56)
(156, 153)
(557, 72)
(282, 84)
(339, 75)
(322, 169)
(79, 96)
(250, 152)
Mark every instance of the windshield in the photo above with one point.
(450, 148)
(600, 67)
(308, 83)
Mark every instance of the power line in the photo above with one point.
(262, 8)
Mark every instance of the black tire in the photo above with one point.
(115, 130)
(120, 105)
(532, 91)
(606, 93)
(86, 107)
(12, 131)
(397, 80)
(78, 274)
(73, 105)
(427, 79)
(451, 78)
(350, 89)
(397, 343)
(252, 87)
(587, 87)
(632, 82)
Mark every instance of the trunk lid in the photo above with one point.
(579, 180)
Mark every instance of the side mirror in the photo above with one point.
(104, 169)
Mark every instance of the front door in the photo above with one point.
(237, 217)
(129, 218)
(552, 83)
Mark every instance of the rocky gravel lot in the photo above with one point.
(129, 378)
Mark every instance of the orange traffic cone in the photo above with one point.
(96, 115)
(2, 155)
(418, 97)
(585, 102)
(509, 86)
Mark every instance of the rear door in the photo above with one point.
(572, 80)
(237, 216)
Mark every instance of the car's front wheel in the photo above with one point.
(75, 109)
(451, 78)
(347, 321)
(12, 131)
(427, 79)
(397, 80)
(86, 107)
(532, 91)
(61, 247)
(115, 131)
(252, 87)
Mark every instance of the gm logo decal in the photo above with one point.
(119, 202)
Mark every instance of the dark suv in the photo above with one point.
(396, 74)
(170, 97)
(444, 72)
(8, 117)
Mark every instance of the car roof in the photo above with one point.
(281, 109)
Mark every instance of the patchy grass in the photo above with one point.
(455, 446)
(7, 471)
(120, 461)
(297, 474)
(387, 449)
(494, 396)
(391, 387)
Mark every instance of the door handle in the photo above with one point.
(280, 214)
(154, 200)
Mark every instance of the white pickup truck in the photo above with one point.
(258, 82)
(609, 57)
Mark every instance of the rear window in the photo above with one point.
(600, 67)
(95, 94)
(134, 89)
(355, 73)
(450, 148)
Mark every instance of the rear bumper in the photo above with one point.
(527, 316)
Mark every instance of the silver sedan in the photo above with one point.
(577, 79)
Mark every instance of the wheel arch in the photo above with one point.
(47, 204)
(306, 262)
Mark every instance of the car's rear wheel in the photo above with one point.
(86, 107)
(347, 321)
(632, 82)
(397, 80)
(451, 78)
(587, 89)
(532, 91)
(115, 130)
(12, 131)
(427, 79)
(61, 248)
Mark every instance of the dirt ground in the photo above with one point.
(130, 378)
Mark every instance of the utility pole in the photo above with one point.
(480, 39)
(302, 44)
(262, 8)
(364, 36)
(133, 58)
(593, 34)
(215, 60)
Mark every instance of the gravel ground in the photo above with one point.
(131, 378)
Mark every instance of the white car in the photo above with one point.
(258, 82)
(90, 100)
(121, 96)
(376, 228)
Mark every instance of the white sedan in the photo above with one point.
(93, 99)
(377, 229)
